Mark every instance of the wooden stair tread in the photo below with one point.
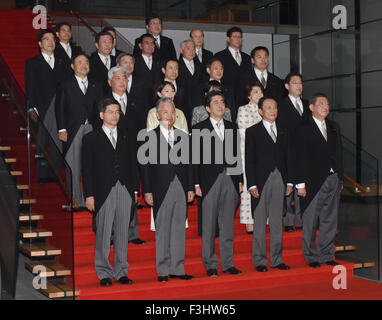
(341, 248)
(22, 187)
(27, 233)
(10, 160)
(39, 250)
(30, 217)
(5, 148)
(53, 269)
(16, 173)
(28, 201)
(54, 291)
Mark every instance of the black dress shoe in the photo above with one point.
(314, 265)
(261, 269)
(182, 277)
(137, 241)
(289, 229)
(212, 273)
(106, 282)
(281, 266)
(163, 278)
(232, 270)
(332, 263)
(298, 228)
(250, 232)
(125, 280)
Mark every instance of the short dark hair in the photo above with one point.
(164, 63)
(123, 54)
(102, 105)
(314, 97)
(261, 101)
(149, 18)
(42, 32)
(232, 30)
(212, 94)
(212, 84)
(160, 86)
(107, 29)
(100, 34)
(145, 35)
(76, 55)
(258, 48)
(211, 61)
(292, 74)
(250, 85)
(59, 25)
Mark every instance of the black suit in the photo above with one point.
(232, 72)
(73, 108)
(274, 87)
(199, 98)
(103, 166)
(61, 53)
(156, 178)
(143, 73)
(206, 57)
(140, 97)
(165, 52)
(117, 53)
(98, 71)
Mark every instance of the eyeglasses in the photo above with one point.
(113, 112)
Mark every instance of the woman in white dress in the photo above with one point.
(247, 116)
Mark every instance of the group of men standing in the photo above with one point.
(97, 107)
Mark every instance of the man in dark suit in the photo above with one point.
(190, 75)
(101, 61)
(110, 184)
(43, 74)
(64, 49)
(167, 188)
(203, 55)
(318, 175)
(292, 111)
(114, 52)
(267, 165)
(147, 66)
(76, 112)
(218, 183)
(164, 46)
(129, 125)
(273, 85)
(235, 63)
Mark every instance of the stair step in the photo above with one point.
(53, 269)
(54, 291)
(30, 217)
(22, 187)
(10, 160)
(343, 248)
(39, 250)
(27, 233)
(28, 201)
(16, 173)
(5, 148)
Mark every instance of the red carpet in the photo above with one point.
(301, 282)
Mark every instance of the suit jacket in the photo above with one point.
(275, 87)
(206, 56)
(189, 82)
(139, 97)
(98, 71)
(117, 52)
(199, 99)
(41, 82)
(156, 177)
(103, 166)
(289, 117)
(165, 52)
(313, 156)
(61, 53)
(144, 74)
(232, 72)
(262, 156)
(205, 174)
(73, 108)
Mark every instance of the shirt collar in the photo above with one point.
(79, 80)
(319, 122)
(107, 131)
(103, 58)
(267, 124)
(215, 123)
(293, 99)
(233, 51)
(258, 73)
(118, 97)
(46, 57)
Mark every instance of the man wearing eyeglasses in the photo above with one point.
(164, 46)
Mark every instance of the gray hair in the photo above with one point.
(182, 44)
(124, 54)
(161, 100)
(113, 70)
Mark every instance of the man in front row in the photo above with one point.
(267, 165)
(318, 178)
(167, 187)
(218, 186)
(110, 186)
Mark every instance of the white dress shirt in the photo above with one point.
(157, 40)
(107, 131)
(113, 52)
(219, 130)
(148, 61)
(259, 76)
(103, 59)
(129, 83)
(199, 53)
(67, 48)
(167, 133)
(173, 82)
(190, 65)
(294, 100)
(234, 54)
(123, 98)
(49, 59)
(267, 126)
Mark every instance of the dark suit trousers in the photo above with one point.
(322, 212)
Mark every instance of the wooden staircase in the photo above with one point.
(34, 243)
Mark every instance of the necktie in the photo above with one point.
(323, 130)
(128, 85)
(200, 55)
(238, 58)
(263, 82)
(191, 67)
(113, 141)
(219, 131)
(157, 43)
(150, 63)
(123, 106)
(69, 50)
(50, 62)
(84, 87)
(170, 139)
(273, 134)
(298, 107)
(107, 62)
